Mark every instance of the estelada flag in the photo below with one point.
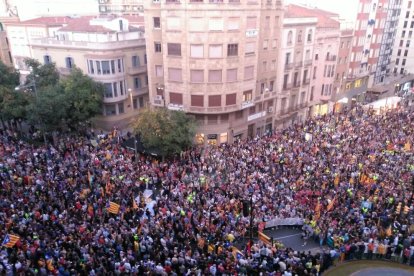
(10, 240)
(336, 181)
(134, 204)
(331, 204)
(318, 206)
(113, 208)
(237, 254)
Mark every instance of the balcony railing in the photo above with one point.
(247, 104)
(172, 1)
(287, 86)
(299, 64)
(306, 81)
(308, 62)
(331, 58)
(137, 70)
(288, 66)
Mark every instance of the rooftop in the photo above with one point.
(325, 18)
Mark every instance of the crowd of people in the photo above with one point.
(344, 174)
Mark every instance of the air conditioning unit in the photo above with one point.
(270, 109)
(266, 90)
(158, 98)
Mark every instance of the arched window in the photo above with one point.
(310, 36)
(289, 37)
(47, 59)
(69, 62)
(300, 36)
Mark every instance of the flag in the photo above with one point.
(134, 203)
(10, 240)
(388, 232)
(336, 181)
(265, 239)
(113, 208)
(331, 204)
(237, 254)
(318, 206)
(210, 248)
(407, 146)
(90, 178)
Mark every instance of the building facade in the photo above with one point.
(375, 30)
(111, 51)
(403, 50)
(297, 51)
(5, 55)
(218, 61)
(121, 6)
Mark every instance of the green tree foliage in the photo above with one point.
(12, 105)
(83, 97)
(9, 77)
(49, 109)
(166, 131)
(43, 74)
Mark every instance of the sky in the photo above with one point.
(347, 9)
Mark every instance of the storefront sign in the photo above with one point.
(212, 136)
(256, 116)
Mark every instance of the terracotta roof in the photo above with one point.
(325, 18)
(82, 24)
(48, 21)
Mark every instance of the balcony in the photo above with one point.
(207, 110)
(288, 66)
(299, 64)
(307, 63)
(306, 81)
(247, 104)
(88, 45)
(216, 1)
(331, 58)
(287, 86)
(176, 107)
(172, 1)
(137, 70)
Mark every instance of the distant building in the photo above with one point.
(216, 60)
(403, 50)
(109, 49)
(122, 7)
(5, 55)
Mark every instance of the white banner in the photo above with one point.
(284, 222)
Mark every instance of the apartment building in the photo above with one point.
(110, 50)
(297, 51)
(5, 55)
(217, 60)
(403, 50)
(131, 7)
(374, 34)
(325, 52)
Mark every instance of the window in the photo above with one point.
(251, 22)
(106, 70)
(115, 89)
(145, 58)
(289, 37)
(314, 72)
(215, 24)
(405, 53)
(108, 90)
(233, 24)
(316, 57)
(248, 72)
(113, 66)
(173, 23)
(300, 36)
(141, 102)
(176, 98)
(250, 48)
(197, 50)
(311, 94)
(214, 100)
(231, 99)
(121, 108)
(157, 47)
(69, 62)
(232, 75)
(273, 65)
(322, 89)
(397, 61)
(47, 59)
(232, 49)
(197, 100)
(120, 66)
(174, 49)
(403, 62)
(157, 22)
(135, 103)
(271, 84)
(262, 87)
(265, 44)
(158, 71)
(98, 67)
(399, 52)
(196, 24)
(197, 75)
(216, 51)
(135, 61)
(264, 66)
(310, 36)
(247, 95)
(137, 83)
(274, 43)
(174, 74)
(121, 87)
(91, 69)
(285, 81)
(214, 76)
(110, 109)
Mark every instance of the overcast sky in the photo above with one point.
(347, 9)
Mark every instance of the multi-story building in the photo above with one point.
(297, 51)
(110, 50)
(5, 55)
(121, 6)
(403, 53)
(374, 31)
(215, 59)
(325, 52)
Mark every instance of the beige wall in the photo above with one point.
(179, 26)
(4, 49)
(132, 100)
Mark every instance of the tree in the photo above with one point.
(169, 132)
(49, 109)
(83, 97)
(9, 77)
(41, 74)
(11, 103)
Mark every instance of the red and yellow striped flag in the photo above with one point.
(113, 208)
(331, 204)
(134, 204)
(10, 240)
